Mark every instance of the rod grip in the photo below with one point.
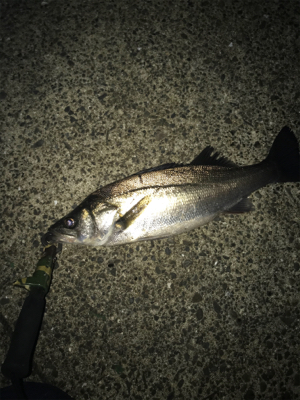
(18, 362)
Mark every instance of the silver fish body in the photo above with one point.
(172, 199)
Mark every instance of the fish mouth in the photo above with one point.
(51, 237)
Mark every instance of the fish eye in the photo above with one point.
(69, 223)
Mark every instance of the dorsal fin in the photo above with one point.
(207, 158)
(204, 158)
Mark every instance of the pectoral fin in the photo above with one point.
(128, 218)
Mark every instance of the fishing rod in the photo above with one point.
(18, 361)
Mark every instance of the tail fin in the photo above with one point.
(285, 154)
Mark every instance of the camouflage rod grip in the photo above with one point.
(41, 278)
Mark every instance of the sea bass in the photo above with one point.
(173, 198)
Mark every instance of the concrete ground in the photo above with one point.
(92, 91)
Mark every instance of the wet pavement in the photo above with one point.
(92, 91)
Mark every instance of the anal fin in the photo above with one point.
(243, 206)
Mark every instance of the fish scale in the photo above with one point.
(175, 209)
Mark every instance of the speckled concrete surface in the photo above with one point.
(92, 91)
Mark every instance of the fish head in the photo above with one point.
(91, 223)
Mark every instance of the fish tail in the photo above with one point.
(285, 154)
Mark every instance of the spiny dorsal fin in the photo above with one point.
(207, 158)
(204, 158)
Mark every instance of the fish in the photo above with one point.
(174, 198)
